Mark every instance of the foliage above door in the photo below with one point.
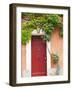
(46, 22)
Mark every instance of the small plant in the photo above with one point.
(55, 58)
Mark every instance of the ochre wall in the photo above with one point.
(57, 46)
(23, 60)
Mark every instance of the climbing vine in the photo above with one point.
(55, 58)
(46, 22)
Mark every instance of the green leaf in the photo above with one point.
(26, 36)
(34, 21)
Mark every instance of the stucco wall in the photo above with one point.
(23, 60)
(57, 46)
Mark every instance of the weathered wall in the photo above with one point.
(57, 46)
(23, 59)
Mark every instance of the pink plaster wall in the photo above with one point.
(23, 60)
(57, 46)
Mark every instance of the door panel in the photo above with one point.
(39, 61)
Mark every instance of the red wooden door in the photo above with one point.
(39, 63)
